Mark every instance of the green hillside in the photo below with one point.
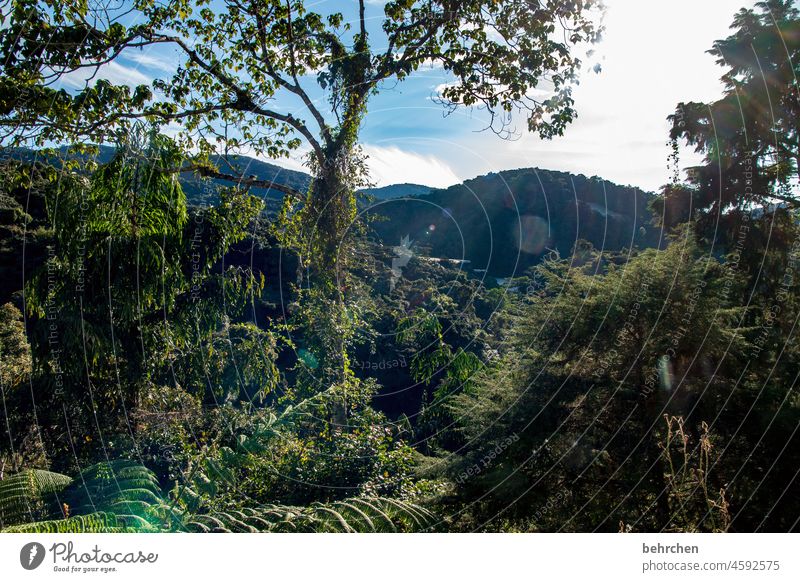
(505, 222)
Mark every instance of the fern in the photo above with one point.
(115, 496)
(93, 523)
(25, 496)
(360, 515)
(126, 489)
(123, 496)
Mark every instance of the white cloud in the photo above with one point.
(441, 87)
(172, 129)
(113, 72)
(391, 165)
(295, 162)
(150, 61)
(430, 65)
(387, 165)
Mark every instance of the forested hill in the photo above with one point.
(501, 222)
(504, 222)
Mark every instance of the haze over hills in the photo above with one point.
(501, 222)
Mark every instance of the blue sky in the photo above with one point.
(652, 56)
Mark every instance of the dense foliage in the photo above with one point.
(211, 364)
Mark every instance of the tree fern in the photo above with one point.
(108, 497)
(125, 488)
(360, 515)
(123, 496)
(99, 522)
(24, 496)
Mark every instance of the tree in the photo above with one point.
(594, 360)
(14, 348)
(239, 58)
(749, 137)
(133, 297)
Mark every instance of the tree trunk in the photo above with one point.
(328, 228)
(326, 240)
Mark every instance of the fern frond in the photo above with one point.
(369, 514)
(93, 523)
(125, 488)
(338, 524)
(356, 515)
(388, 524)
(23, 496)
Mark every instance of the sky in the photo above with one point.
(653, 55)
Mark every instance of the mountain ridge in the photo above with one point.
(505, 222)
(501, 222)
